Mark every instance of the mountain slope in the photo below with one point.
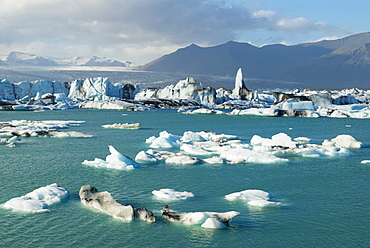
(19, 58)
(338, 63)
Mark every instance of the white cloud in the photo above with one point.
(136, 30)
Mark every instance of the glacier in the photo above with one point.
(188, 96)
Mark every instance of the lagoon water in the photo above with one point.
(325, 201)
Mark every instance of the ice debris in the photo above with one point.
(253, 197)
(47, 128)
(115, 160)
(205, 219)
(122, 125)
(38, 200)
(171, 194)
(90, 196)
(209, 147)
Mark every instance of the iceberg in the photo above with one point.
(38, 200)
(47, 128)
(205, 219)
(277, 140)
(343, 140)
(253, 197)
(242, 155)
(365, 162)
(122, 126)
(90, 196)
(170, 194)
(115, 160)
(165, 140)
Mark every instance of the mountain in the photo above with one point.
(19, 58)
(22, 59)
(341, 63)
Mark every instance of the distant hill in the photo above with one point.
(19, 58)
(26, 59)
(342, 63)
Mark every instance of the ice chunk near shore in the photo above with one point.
(205, 219)
(343, 140)
(170, 194)
(115, 160)
(254, 197)
(38, 200)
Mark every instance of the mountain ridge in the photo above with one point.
(340, 63)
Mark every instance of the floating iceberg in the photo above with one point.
(365, 162)
(253, 197)
(241, 155)
(104, 201)
(277, 140)
(38, 200)
(165, 140)
(170, 194)
(343, 140)
(47, 128)
(205, 219)
(222, 148)
(115, 160)
(122, 126)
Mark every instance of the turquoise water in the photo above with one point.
(325, 200)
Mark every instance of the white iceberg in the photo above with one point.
(365, 162)
(170, 194)
(343, 140)
(38, 200)
(277, 140)
(241, 155)
(205, 219)
(253, 197)
(214, 223)
(165, 140)
(145, 157)
(182, 159)
(122, 126)
(115, 160)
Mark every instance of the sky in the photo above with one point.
(141, 31)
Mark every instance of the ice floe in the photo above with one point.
(213, 148)
(122, 125)
(47, 128)
(171, 194)
(38, 200)
(365, 161)
(205, 219)
(90, 196)
(253, 197)
(343, 140)
(115, 160)
(165, 140)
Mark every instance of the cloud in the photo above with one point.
(129, 29)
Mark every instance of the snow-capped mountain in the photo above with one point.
(21, 59)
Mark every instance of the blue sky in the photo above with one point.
(143, 30)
